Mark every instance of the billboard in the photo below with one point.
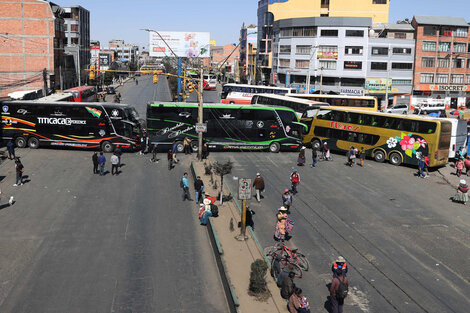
(183, 44)
(327, 55)
(378, 85)
(105, 59)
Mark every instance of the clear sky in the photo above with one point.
(123, 19)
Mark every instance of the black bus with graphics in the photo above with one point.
(229, 127)
(92, 125)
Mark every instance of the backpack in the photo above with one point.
(181, 183)
(342, 291)
(214, 210)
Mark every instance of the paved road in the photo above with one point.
(78, 242)
(405, 242)
(209, 96)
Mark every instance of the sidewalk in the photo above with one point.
(238, 255)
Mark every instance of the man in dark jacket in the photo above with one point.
(11, 149)
(336, 301)
(198, 188)
(101, 163)
(287, 286)
(94, 158)
(258, 184)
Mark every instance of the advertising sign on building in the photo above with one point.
(183, 44)
(352, 91)
(327, 55)
(449, 88)
(378, 85)
(95, 55)
(104, 59)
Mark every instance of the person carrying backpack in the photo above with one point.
(338, 291)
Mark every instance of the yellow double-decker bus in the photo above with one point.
(365, 103)
(397, 138)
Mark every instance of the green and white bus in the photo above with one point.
(229, 127)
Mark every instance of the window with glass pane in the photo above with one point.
(401, 82)
(301, 63)
(329, 33)
(429, 46)
(310, 31)
(353, 50)
(286, 32)
(379, 1)
(379, 51)
(328, 49)
(400, 35)
(402, 66)
(429, 30)
(401, 50)
(284, 62)
(456, 79)
(427, 62)
(354, 33)
(458, 63)
(459, 47)
(303, 49)
(468, 79)
(427, 78)
(328, 65)
(352, 65)
(442, 79)
(285, 49)
(444, 46)
(297, 32)
(378, 66)
(443, 62)
(461, 32)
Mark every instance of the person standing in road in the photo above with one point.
(198, 188)
(101, 163)
(324, 151)
(174, 150)
(19, 172)
(154, 153)
(287, 286)
(351, 155)
(118, 153)
(314, 157)
(280, 229)
(205, 151)
(187, 145)
(338, 291)
(362, 156)
(170, 159)
(94, 158)
(11, 149)
(258, 183)
(459, 165)
(426, 164)
(301, 157)
(421, 167)
(295, 181)
(287, 199)
(114, 164)
(294, 301)
(185, 185)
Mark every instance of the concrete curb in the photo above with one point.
(229, 290)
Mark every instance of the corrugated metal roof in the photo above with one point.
(441, 20)
(404, 27)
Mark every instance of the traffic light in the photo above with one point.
(155, 78)
(92, 72)
(190, 87)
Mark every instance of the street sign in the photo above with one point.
(201, 127)
(244, 188)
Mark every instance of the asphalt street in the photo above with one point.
(405, 243)
(208, 96)
(78, 242)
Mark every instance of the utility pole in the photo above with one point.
(44, 77)
(200, 112)
(79, 69)
(388, 78)
(179, 80)
(314, 52)
(321, 80)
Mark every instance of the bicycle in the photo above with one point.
(288, 256)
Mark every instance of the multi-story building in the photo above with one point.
(442, 61)
(124, 51)
(31, 49)
(270, 11)
(77, 33)
(390, 59)
(230, 54)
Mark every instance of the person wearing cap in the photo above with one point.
(340, 263)
(258, 184)
(287, 199)
(336, 301)
(301, 158)
(295, 181)
(282, 213)
(280, 229)
(205, 211)
(462, 192)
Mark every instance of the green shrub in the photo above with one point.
(258, 285)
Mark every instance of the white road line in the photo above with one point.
(127, 227)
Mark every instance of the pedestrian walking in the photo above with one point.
(11, 149)
(280, 229)
(184, 184)
(362, 156)
(338, 291)
(198, 188)
(426, 164)
(301, 157)
(101, 163)
(324, 151)
(170, 159)
(154, 153)
(258, 184)
(118, 153)
(421, 166)
(287, 286)
(351, 156)
(294, 301)
(114, 164)
(314, 157)
(19, 172)
(94, 158)
(295, 181)
(287, 199)
(459, 165)
(174, 150)
(462, 192)
(187, 145)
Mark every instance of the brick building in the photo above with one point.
(220, 53)
(442, 62)
(31, 40)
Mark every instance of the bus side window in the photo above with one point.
(353, 118)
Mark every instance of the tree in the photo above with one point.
(222, 169)
(133, 66)
(258, 284)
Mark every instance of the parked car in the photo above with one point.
(110, 90)
(398, 109)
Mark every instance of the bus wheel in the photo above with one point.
(20, 142)
(395, 158)
(274, 147)
(33, 143)
(195, 146)
(232, 102)
(179, 147)
(379, 156)
(106, 146)
(316, 144)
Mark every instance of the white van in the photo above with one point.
(398, 109)
(210, 82)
